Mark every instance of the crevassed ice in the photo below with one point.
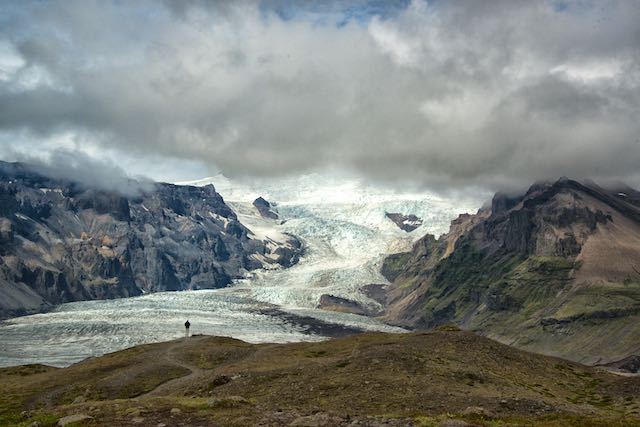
(346, 234)
(345, 231)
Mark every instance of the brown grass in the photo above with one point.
(416, 379)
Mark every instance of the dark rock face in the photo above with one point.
(334, 303)
(376, 292)
(289, 255)
(629, 364)
(264, 207)
(502, 203)
(542, 221)
(60, 242)
(406, 223)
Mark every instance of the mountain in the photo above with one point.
(555, 270)
(264, 208)
(439, 378)
(61, 241)
(406, 223)
(343, 225)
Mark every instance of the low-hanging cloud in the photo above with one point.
(494, 93)
(87, 172)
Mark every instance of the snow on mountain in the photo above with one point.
(343, 226)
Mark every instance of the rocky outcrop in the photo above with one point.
(376, 292)
(554, 270)
(288, 254)
(629, 364)
(264, 208)
(406, 223)
(344, 305)
(61, 242)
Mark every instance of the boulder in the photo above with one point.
(264, 208)
(75, 418)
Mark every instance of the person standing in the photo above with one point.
(186, 327)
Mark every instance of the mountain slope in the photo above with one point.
(373, 379)
(556, 270)
(61, 241)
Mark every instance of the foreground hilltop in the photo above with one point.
(63, 241)
(445, 377)
(555, 270)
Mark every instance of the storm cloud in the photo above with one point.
(446, 94)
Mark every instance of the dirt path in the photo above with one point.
(171, 355)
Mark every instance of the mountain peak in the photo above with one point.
(536, 269)
(62, 242)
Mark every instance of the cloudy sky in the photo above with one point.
(446, 94)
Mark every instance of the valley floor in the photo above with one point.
(439, 378)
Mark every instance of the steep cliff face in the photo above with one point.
(62, 242)
(264, 208)
(556, 270)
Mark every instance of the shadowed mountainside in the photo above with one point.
(61, 241)
(445, 377)
(556, 271)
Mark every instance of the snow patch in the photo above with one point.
(49, 190)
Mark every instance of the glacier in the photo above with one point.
(346, 235)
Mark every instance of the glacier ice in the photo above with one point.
(343, 226)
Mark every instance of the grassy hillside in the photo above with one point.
(444, 377)
(529, 302)
(552, 271)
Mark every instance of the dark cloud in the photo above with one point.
(448, 94)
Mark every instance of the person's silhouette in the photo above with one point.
(186, 326)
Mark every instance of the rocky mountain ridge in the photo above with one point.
(61, 242)
(555, 270)
(404, 222)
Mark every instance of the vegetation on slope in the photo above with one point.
(551, 271)
(368, 379)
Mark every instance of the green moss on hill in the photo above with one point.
(394, 264)
(477, 280)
